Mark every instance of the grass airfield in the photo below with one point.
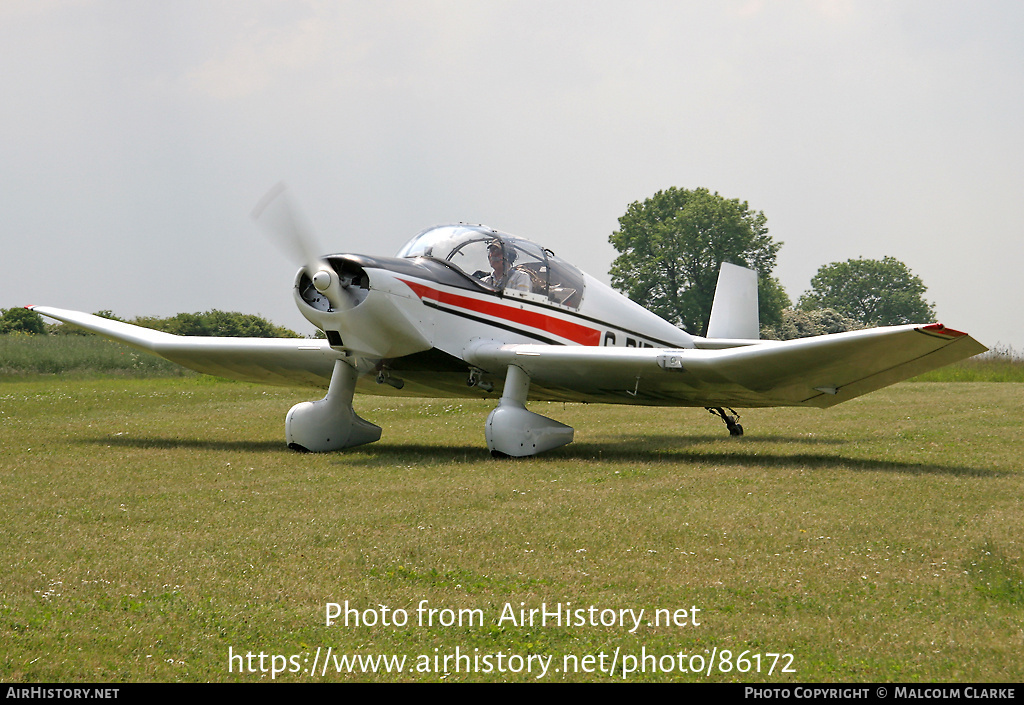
(150, 525)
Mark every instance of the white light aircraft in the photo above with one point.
(467, 311)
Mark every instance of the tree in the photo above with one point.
(215, 323)
(805, 324)
(220, 324)
(21, 320)
(673, 244)
(875, 292)
(64, 329)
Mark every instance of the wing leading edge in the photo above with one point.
(820, 372)
(276, 361)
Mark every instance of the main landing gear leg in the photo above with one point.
(331, 423)
(730, 420)
(512, 430)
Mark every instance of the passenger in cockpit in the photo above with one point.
(504, 275)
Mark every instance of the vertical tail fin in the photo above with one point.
(734, 312)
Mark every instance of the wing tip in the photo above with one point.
(939, 329)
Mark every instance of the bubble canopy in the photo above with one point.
(538, 273)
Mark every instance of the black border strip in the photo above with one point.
(511, 329)
(507, 300)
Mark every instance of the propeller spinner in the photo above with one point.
(279, 218)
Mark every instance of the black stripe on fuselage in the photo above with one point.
(604, 325)
(445, 274)
(477, 319)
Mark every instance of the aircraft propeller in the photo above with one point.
(279, 218)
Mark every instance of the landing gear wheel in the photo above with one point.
(730, 420)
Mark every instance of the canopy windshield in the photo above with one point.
(501, 262)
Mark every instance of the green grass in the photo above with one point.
(1000, 364)
(79, 355)
(977, 370)
(151, 524)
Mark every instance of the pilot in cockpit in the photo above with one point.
(504, 275)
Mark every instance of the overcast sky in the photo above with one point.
(138, 136)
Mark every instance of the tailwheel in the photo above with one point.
(730, 419)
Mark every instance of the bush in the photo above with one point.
(806, 324)
(21, 320)
(223, 324)
(214, 323)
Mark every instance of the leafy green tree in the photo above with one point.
(219, 324)
(875, 292)
(672, 246)
(797, 323)
(21, 320)
(772, 300)
(64, 329)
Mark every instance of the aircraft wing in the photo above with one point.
(277, 361)
(820, 371)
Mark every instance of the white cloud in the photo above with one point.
(260, 57)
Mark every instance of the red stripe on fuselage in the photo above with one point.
(557, 326)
